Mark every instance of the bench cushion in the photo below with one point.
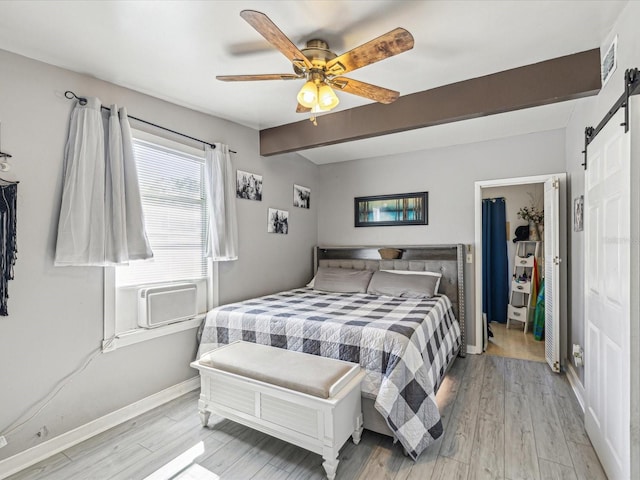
(297, 371)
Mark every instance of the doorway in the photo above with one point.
(512, 271)
(549, 192)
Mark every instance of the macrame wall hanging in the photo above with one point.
(8, 229)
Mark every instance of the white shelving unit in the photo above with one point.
(519, 308)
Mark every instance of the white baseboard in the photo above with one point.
(576, 384)
(33, 455)
(474, 350)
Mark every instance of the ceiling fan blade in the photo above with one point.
(250, 78)
(265, 27)
(366, 90)
(302, 109)
(385, 46)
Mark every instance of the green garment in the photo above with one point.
(538, 316)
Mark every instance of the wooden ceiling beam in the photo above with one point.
(557, 80)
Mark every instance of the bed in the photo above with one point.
(404, 344)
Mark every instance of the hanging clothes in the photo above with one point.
(220, 186)
(495, 275)
(539, 315)
(535, 283)
(101, 221)
(8, 240)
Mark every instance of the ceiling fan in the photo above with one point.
(323, 69)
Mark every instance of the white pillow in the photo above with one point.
(417, 272)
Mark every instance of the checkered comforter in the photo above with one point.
(403, 344)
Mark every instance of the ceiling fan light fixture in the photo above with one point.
(308, 95)
(327, 98)
(322, 68)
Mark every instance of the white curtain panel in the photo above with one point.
(220, 185)
(101, 221)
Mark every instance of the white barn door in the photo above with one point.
(552, 273)
(607, 297)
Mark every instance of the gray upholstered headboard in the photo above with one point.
(446, 259)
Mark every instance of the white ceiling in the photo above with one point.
(174, 49)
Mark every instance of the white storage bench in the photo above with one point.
(310, 401)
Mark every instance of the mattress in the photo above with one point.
(403, 344)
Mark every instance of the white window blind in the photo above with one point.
(172, 191)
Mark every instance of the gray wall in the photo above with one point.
(448, 174)
(589, 112)
(55, 314)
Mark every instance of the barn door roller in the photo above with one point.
(631, 87)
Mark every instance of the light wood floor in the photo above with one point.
(514, 343)
(503, 419)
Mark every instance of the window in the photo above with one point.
(172, 192)
(171, 178)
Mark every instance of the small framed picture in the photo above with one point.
(301, 196)
(278, 221)
(248, 185)
(578, 213)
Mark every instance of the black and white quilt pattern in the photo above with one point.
(404, 345)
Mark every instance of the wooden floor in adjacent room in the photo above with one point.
(504, 419)
(512, 342)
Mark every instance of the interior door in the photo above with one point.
(552, 273)
(607, 297)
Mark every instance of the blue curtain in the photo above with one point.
(495, 275)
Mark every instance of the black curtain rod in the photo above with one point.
(83, 101)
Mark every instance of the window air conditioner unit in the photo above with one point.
(165, 304)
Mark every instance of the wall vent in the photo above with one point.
(609, 61)
(166, 304)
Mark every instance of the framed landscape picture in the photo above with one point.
(389, 210)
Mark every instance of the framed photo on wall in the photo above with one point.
(248, 185)
(278, 221)
(578, 213)
(301, 196)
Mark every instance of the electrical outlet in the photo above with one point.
(3, 441)
(578, 356)
(469, 257)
